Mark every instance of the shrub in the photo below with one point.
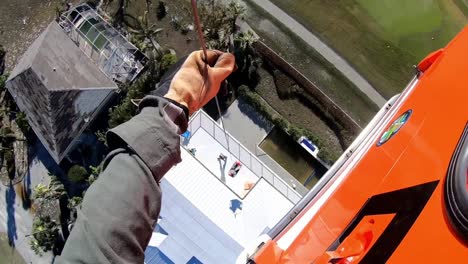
(55, 190)
(46, 224)
(167, 61)
(22, 122)
(121, 113)
(77, 174)
(6, 132)
(3, 79)
(101, 136)
(126, 109)
(74, 202)
(253, 76)
(281, 123)
(95, 172)
(295, 132)
(45, 234)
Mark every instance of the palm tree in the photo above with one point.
(246, 39)
(219, 23)
(235, 11)
(143, 31)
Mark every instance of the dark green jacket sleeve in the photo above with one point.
(120, 209)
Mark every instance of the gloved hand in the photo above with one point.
(196, 82)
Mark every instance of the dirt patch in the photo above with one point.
(169, 37)
(21, 22)
(297, 113)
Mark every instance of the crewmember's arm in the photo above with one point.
(120, 209)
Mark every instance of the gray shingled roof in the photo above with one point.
(59, 88)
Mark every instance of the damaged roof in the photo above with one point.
(59, 88)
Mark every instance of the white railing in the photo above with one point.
(203, 120)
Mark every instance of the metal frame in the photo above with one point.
(117, 57)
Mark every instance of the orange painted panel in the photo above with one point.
(413, 159)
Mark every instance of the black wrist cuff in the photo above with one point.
(183, 107)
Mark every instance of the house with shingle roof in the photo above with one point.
(60, 89)
(69, 74)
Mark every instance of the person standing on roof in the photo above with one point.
(120, 209)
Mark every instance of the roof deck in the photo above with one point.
(208, 216)
(208, 151)
(209, 140)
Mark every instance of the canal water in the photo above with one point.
(293, 158)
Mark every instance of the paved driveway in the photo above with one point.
(249, 128)
(243, 122)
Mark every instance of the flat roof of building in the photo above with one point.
(205, 219)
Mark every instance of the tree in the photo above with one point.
(235, 10)
(219, 23)
(77, 174)
(281, 123)
(22, 122)
(121, 113)
(295, 132)
(7, 138)
(144, 33)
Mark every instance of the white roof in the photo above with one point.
(208, 151)
(204, 221)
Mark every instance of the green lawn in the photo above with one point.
(401, 18)
(381, 38)
(309, 62)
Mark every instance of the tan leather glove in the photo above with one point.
(197, 82)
